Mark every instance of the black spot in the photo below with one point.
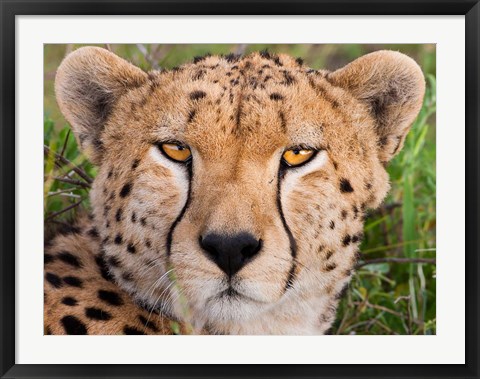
(70, 259)
(344, 214)
(355, 211)
(73, 325)
(330, 267)
(73, 281)
(332, 224)
(93, 233)
(197, 95)
(118, 239)
(267, 78)
(232, 57)
(289, 79)
(110, 297)
(129, 330)
(143, 221)
(134, 217)
(276, 96)
(191, 115)
(329, 254)
(131, 248)
(118, 215)
(103, 268)
(299, 61)
(148, 244)
(147, 323)
(265, 54)
(113, 261)
(198, 59)
(277, 61)
(70, 301)
(368, 186)
(127, 276)
(48, 258)
(357, 237)
(48, 331)
(135, 164)
(97, 314)
(66, 230)
(383, 141)
(199, 75)
(345, 186)
(53, 279)
(346, 240)
(126, 190)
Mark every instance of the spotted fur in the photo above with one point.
(138, 266)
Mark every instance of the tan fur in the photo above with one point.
(237, 116)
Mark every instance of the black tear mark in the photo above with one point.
(73, 326)
(197, 95)
(345, 186)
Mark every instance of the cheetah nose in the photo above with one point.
(230, 253)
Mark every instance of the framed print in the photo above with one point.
(234, 190)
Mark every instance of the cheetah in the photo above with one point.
(231, 191)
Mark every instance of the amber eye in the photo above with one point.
(297, 156)
(177, 152)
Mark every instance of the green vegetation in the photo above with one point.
(393, 291)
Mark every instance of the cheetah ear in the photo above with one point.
(392, 86)
(88, 83)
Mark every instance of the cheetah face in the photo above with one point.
(229, 188)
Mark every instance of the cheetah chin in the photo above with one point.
(230, 194)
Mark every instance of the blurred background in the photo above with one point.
(393, 290)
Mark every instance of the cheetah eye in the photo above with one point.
(176, 151)
(297, 156)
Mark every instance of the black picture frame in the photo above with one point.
(9, 9)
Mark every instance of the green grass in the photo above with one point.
(389, 296)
